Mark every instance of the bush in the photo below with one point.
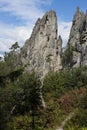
(57, 83)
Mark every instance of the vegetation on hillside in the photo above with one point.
(20, 98)
(67, 56)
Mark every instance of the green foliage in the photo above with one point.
(8, 97)
(3, 68)
(20, 95)
(7, 102)
(2, 120)
(75, 128)
(48, 58)
(79, 121)
(57, 83)
(67, 89)
(72, 99)
(15, 46)
(67, 56)
(31, 89)
(20, 101)
(20, 122)
(12, 58)
(7, 75)
(13, 75)
(3, 73)
(31, 94)
(23, 52)
(1, 58)
(83, 102)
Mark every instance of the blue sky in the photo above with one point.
(18, 17)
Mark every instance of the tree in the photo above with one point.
(67, 56)
(2, 120)
(31, 93)
(12, 58)
(15, 46)
(1, 58)
(7, 101)
(3, 72)
(57, 83)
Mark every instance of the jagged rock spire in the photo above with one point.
(43, 48)
(78, 39)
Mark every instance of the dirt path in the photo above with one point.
(64, 122)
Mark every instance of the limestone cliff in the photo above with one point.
(42, 51)
(78, 39)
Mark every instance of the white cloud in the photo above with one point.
(64, 30)
(25, 9)
(28, 10)
(10, 34)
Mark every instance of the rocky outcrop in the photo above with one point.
(78, 39)
(42, 51)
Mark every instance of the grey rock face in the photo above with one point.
(78, 39)
(42, 51)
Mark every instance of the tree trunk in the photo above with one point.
(33, 121)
